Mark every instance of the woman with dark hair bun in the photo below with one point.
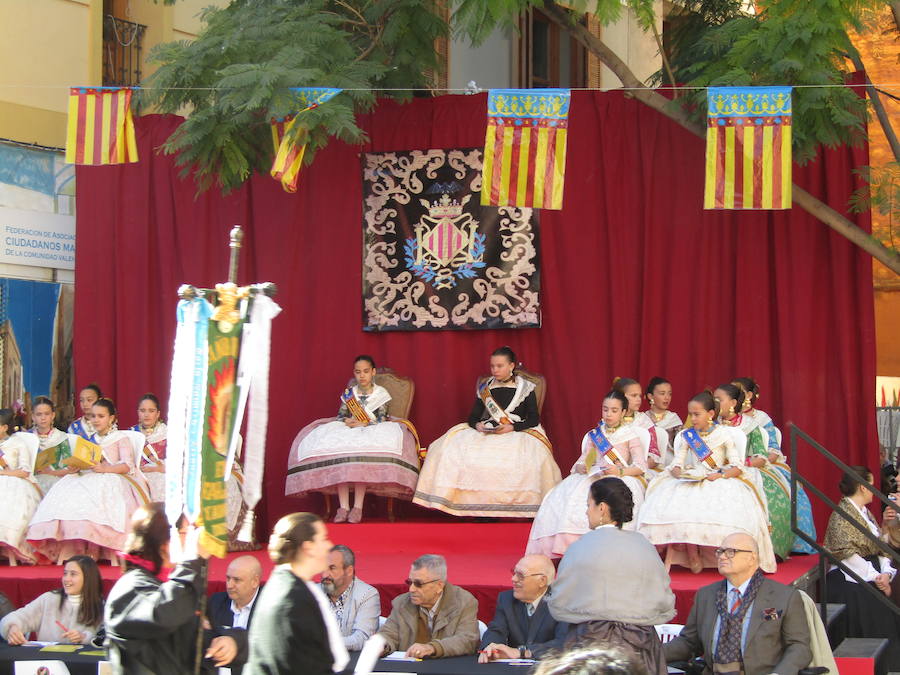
(88, 511)
(611, 449)
(363, 450)
(689, 510)
(612, 586)
(84, 425)
(294, 629)
(864, 616)
(500, 463)
(53, 445)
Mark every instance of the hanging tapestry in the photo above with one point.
(748, 148)
(433, 257)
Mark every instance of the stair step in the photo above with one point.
(833, 610)
(861, 648)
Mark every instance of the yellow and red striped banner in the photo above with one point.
(100, 127)
(525, 148)
(748, 148)
(289, 151)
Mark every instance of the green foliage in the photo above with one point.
(237, 76)
(792, 42)
(881, 193)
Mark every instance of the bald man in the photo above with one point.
(233, 608)
(746, 622)
(522, 626)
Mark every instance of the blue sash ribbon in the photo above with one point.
(602, 447)
(700, 448)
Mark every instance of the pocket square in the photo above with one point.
(770, 614)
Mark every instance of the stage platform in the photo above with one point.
(479, 558)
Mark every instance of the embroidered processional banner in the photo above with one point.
(433, 257)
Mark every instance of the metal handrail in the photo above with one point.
(796, 435)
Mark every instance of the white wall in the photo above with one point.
(490, 65)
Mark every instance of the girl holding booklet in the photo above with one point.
(501, 463)
(611, 449)
(88, 511)
(690, 511)
(54, 445)
(363, 448)
(153, 464)
(21, 493)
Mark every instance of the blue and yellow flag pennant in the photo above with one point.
(748, 148)
(289, 152)
(525, 148)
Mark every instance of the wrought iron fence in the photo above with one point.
(122, 43)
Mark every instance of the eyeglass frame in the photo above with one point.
(521, 577)
(418, 583)
(734, 551)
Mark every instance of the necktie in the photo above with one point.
(530, 609)
(736, 600)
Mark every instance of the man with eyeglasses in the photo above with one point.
(522, 626)
(435, 618)
(747, 623)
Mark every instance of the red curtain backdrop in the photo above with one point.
(637, 280)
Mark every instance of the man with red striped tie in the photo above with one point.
(745, 624)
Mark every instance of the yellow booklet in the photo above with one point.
(84, 455)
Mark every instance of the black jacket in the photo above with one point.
(512, 626)
(288, 634)
(151, 626)
(218, 611)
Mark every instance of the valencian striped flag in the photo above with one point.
(748, 148)
(290, 148)
(100, 128)
(525, 148)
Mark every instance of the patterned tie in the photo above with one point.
(736, 603)
(529, 608)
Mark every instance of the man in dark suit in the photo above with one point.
(522, 626)
(233, 608)
(745, 623)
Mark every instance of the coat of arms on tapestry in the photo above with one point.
(433, 257)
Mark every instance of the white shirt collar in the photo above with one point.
(600, 527)
(742, 588)
(248, 606)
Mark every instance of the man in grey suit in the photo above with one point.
(355, 604)
(522, 626)
(747, 623)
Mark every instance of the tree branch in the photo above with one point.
(880, 112)
(654, 100)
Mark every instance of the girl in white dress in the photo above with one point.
(500, 463)
(87, 397)
(562, 518)
(20, 491)
(364, 449)
(153, 463)
(89, 511)
(659, 395)
(54, 444)
(690, 511)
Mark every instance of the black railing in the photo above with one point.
(825, 555)
(122, 41)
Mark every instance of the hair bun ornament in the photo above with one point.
(616, 379)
